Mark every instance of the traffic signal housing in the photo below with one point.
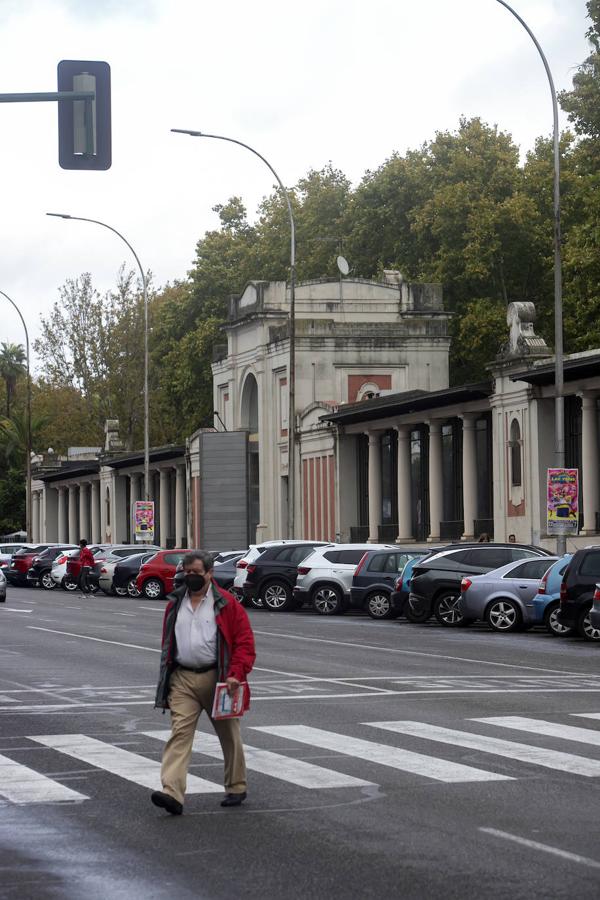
(84, 127)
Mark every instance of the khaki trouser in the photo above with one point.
(190, 693)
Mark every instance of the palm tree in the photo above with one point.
(12, 364)
(13, 435)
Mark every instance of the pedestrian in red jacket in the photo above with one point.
(86, 561)
(207, 639)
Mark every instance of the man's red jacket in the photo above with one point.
(86, 557)
(235, 642)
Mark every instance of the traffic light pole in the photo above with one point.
(41, 97)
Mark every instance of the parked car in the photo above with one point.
(58, 572)
(595, 610)
(399, 596)
(225, 572)
(8, 550)
(102, 573)
(2, 587)
(577, 591)
(125, 573)
(223, 556)
(503, 597)
(40, 571)
(324, 577)
(374, 580)
(546, 603)
(251, 555)
(74, 566)
(155, 578)
(20, 563)
(272, 576)
(435, 582)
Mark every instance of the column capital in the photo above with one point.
(468, 420)
(588, 399)
(434, 425)
(403, 430)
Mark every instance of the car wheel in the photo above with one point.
(121, 591)
(446, 609)
(416, 612)
(47, 582)
(132, 588)
(152, 589)
(69, 583)
(276, 596)
(503, 615)
(379, 605)
(586, 629)
(327, 600)
(552, 624)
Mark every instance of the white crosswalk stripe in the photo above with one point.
(124, 763)
(539, 756)
(275, 765)
(549, 729)
(394, 757)
(20, 784)
(587, 715)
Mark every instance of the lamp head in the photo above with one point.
(188, 131)
(60, 215)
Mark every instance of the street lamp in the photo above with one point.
(28, 523)
(145, 288)
(559, 401)
(292, 321)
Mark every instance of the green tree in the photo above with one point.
(12, 365)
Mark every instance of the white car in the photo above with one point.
(59, 571)
(325, 577)
(253, 553)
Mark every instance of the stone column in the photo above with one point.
(180, 511)
(35, 517)
(435, 481)
(164, 506)
(84, 517)
(73, 535)
(469, 472)
(95, 528)
(63, 533)
(374, 485)
(405, 535)
(590, 462)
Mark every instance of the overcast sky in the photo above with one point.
(304, 83)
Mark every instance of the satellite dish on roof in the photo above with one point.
(342, 265)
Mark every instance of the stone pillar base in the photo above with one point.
(587, 532)
(405, 540)
(468, 537)
(435, 539)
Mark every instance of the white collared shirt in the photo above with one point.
(196, 632)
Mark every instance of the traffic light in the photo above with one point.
(84, 133)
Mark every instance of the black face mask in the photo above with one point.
(194, 582)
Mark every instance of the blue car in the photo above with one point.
(546, 603)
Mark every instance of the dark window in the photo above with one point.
(485, 481)
(450, 561)
(350, 557)
(377, 563)
(389, 477)
(362, 453)
(172, 559)
(492, 558)
(520, 554)
(515, 454)
(419, 467)
(534, 568)
(300, 553)
(332, 556)
(452, 492)
(283, 555)
(590, 564)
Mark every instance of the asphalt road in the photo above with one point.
(384, 781)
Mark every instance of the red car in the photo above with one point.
(20, 564)
(155, 578)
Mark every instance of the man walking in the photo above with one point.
(207, 639)
(86, 562)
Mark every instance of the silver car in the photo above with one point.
(325, 577)
(504, 597)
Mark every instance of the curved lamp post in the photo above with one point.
(559, 402)
(28, 522)
(292, 320)
(145, 288)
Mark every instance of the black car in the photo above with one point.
(225, 572)
(577, 592)
(126, 572)
(271, 577)
(41, 566)
(435, 581)
(374, 580)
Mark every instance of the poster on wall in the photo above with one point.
(563, 501)
(143, 521)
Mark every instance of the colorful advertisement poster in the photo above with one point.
(143, 521)
(563, 501)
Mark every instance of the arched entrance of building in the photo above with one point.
(249, 421)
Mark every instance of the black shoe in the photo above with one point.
(233, 799)
(165, 801)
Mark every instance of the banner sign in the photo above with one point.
(143, 521)
(563, 501)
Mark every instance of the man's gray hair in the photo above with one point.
(207, 559)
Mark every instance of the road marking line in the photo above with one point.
(124, 763)
(20, 784)
(9, 610)
(87, 637)
(587, 715)
(545, 848)
(482, 662)
(538, 756)
(276, 765)
(394, 757)
(550, 729)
